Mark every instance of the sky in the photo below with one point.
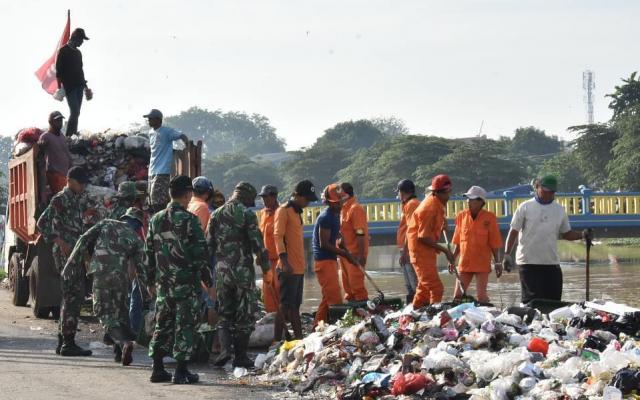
(443, 67)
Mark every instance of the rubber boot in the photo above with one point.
(183, 376)
(117, 353)
(106, 339)
(71, 349)
(241, 345)
(159, 374)
(127, 353)
(224, 336)
(59, 346)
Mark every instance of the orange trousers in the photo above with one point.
(56, 182)
(430, 288)
(327, 275)
(353, 282)
(271, 289)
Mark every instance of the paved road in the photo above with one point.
(30, 369)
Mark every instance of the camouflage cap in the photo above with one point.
(245, 192)
(128, 190)
(134, 213)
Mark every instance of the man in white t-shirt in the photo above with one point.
(538, 223)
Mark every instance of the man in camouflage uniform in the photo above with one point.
(61, 223)
(234, 238)
(128, 196)
(177, 263)
(115, 246)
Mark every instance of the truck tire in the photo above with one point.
(19, 282)
(38, 310)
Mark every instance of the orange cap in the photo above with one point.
(440, 182)
(333, 193)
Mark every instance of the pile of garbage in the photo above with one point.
(109, 157)
(587, 350)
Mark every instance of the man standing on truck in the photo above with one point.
(61, 223)
(116, 246)
(70, 75)
(177, 262)
(234, 238)
(56, 153)
(161, 140)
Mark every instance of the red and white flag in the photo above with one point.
(47, 73)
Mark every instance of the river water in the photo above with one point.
(615, 275)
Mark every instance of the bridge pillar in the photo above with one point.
(508, 196)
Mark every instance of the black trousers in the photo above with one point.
(540, 282)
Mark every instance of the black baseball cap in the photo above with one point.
(181, 182)
(55, 115)
(406, 186)
(307, 190)
(268, 190)
(79, 32)
(79, 175)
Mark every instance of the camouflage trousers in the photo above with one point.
(175, 328)
(110, 299)
(237, 299)
(159, 192)
(72, 298)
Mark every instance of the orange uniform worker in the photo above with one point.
(270, 286)
(477, 237)
(355, 239)
(199, 204)
(423, 232)
(325, 251)
(406, 190)
(289, 235)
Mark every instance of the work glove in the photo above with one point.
(587, 235)
(507, 263)
(59, 94)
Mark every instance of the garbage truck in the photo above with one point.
(33, 276)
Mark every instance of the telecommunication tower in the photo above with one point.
(589, 84)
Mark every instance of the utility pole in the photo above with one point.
(589, 84)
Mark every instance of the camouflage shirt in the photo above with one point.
(234, 236)
(114, 244)
(118, 210)
(177, 257)
(63, 218)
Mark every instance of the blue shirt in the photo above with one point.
(326, 220)
(161, 142)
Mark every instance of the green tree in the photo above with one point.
(626, 96)
(534, 142)
(230, 132)
(351, 135)
(256, 173)
(593, 151)
(624, 168)
(319, 164)
(475, 164)
(565, 167)
(375, 171)
(390, 126)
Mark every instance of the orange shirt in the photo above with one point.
(289, 236)
(353, 223)
(267, 221)
(200, 209)
(476, 238)
(427, 221)
(408, 208)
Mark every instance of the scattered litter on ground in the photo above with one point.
(464, 352)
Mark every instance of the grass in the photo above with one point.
(620, 242)
(2, 275)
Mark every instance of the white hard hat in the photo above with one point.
(476, 192)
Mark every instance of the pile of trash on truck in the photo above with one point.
(464, 351)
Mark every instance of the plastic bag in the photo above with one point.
(136, 142)
(627, 380)
(262, 336)
(409, 383)
(538, 345)
(21, 148)
(29, 135)
(378, 379)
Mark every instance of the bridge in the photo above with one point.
(609, 214)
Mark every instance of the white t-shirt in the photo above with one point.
(540, 227)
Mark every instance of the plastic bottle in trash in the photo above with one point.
(612, 393)
(457, 311)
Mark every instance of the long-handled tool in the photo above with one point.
(378, 299)
(455, 269)
(588, 242)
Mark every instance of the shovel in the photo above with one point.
(378, 299)
(588, 243)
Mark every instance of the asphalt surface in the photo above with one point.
(30, 369)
